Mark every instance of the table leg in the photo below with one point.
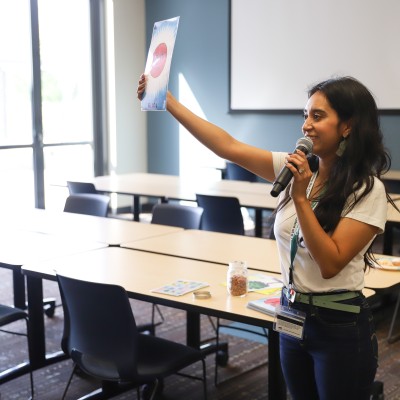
(36, 333)
(193, 336)
(37, 347)
(136, 207)
(258, 222)
(37, 338)
(193, 329)
(19, 289)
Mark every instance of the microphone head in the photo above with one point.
(305, 144)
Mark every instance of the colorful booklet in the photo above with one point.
(158, 65)
(180, 287)
(266, 305)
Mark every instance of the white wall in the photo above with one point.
(288, 46)
(129, 147)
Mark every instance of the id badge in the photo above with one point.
(289, 321)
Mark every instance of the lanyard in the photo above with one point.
(294, 235)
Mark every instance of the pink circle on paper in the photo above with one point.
(159, 59)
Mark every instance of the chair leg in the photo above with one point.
(216, 353)
(154, 391)
(29, 352)
(69, 382)
(204, 379)
(31, 380)
(155, 308)
(212, 323)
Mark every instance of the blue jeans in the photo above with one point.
(338, 357)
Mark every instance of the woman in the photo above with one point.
(325, 224)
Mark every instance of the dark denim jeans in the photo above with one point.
(337, 358)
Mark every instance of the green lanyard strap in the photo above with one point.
(294, 235)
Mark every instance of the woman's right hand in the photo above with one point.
(141, 87)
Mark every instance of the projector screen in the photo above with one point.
(279, 48)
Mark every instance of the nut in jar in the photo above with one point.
(237, 281)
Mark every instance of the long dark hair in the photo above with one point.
(363, 158)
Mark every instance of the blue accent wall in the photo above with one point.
(201, 54)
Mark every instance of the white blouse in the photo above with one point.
(307, 278)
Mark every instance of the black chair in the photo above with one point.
(101, 337)
(237, 173)
(392, 185)
(90, 204)
(75, 187)
(179, 215)
(171, 214)
(13, 314)
(221, 214)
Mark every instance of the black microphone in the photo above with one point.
(305, 145)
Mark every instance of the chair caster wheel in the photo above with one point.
(49, 309)
(222, 358)
(377, 391)
(147, 390)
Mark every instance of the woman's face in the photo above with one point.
(322, 126)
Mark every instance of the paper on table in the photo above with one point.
(158, 64)
(262, 283)
(180, 287)
(388, 262)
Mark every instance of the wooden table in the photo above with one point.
(111, 231)
(66, 233)
(260, 254)
(19, 247)
(169, 187)
(254, 195)
(139, 272)
(392, 180)
(392, 174)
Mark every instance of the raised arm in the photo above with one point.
(219, 141)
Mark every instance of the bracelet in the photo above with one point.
(202, 294)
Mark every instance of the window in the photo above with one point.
(41, 149)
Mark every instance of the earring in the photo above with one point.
(341, 148)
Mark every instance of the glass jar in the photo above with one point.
(237, 281)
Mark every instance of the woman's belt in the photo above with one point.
(326, 300)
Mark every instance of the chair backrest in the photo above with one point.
(90, 204)
(100, 331)
(81, 187)
(187, 217)
(392, 185)
(221, 214)
(237, 173)
(270, 226)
